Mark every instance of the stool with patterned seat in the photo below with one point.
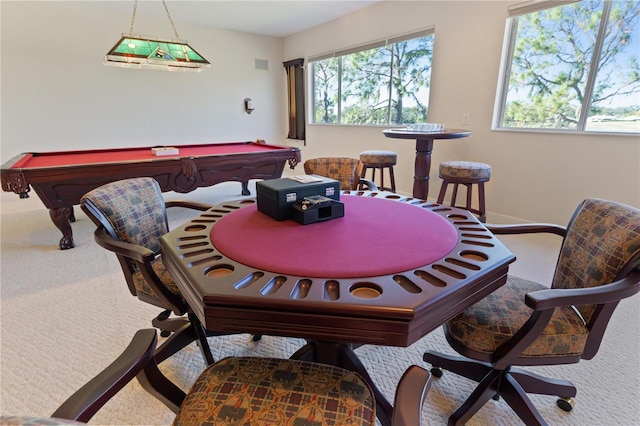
(465, 173)
(379, 160)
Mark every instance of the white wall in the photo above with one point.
(58, 95)
(536, 176)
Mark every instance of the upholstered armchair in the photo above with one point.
(343, 169)
(527, 324)
(131, 216)
(242, 390)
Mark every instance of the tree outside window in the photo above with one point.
(574, 67)
(378, 85)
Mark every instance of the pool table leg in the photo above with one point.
(62, 218)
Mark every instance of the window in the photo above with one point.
(571, 67)
(378, 84)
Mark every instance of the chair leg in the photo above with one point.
(393, 179)
(381, 178)
(534, 383)
(363, 175)
(443, 192)
(469, 194)
(461, 366)
(481, 206)
(485, 390)
(176, 342)
(454, 196)
(517, 398)
(171, 324)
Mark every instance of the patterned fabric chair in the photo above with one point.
(525, 323)
(245, 391)
(344, 169)
(131, 217)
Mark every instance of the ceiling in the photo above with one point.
(265, 17)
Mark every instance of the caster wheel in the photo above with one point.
(165, 333)
(566, 404)
(164, 315)
(437, 371)
(496, 397)
(256, 337)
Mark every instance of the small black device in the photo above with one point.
(316, 208)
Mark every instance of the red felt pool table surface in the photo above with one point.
(61, 178)
(123, 155)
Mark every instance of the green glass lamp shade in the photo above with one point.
(134, 51)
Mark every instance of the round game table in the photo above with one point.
(387, 273)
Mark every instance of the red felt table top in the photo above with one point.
(72, 158)
(375, 237)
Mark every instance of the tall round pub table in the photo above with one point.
(424, 146)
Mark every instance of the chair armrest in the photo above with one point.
(135, 252)
(531, 228)
(87, 400)
(410, 395)
(607, 293)
(369, 184)
(188, 204)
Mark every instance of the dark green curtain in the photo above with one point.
(295, 89)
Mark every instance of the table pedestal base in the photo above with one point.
(342, 355)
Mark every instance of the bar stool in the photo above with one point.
(379, 160)
(465, 173)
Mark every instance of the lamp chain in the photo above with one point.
(170, 20)
(135, 9)
(133, 17)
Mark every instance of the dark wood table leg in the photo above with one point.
(384, 409)
(62, 218)
(305, 353)
(422, 168)
(342, 355)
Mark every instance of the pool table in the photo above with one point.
(61, 178)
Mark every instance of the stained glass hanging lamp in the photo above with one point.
(136, 51)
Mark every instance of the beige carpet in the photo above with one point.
(66, 314)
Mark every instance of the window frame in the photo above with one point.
(510, 39)
(427, 31)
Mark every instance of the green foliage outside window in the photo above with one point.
(574, 67)
(375, 86)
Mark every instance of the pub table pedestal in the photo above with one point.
(424, 146)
